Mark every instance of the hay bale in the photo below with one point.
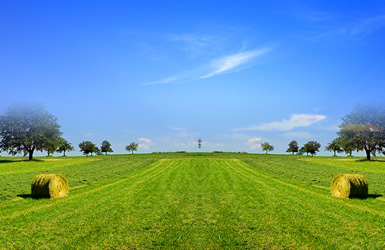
(49, 186)
(349, 186)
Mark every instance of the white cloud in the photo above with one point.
(183, 132)
(228, 63)
(145, 143)
(254, 142)
(89, 135)
(197, 44)
(296, 120)
(163, 81)
(217, 66)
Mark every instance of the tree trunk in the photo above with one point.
(367, 154)
(30, 154)
(64, 153)
(335, 153)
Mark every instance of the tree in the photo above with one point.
(301, 151)
(64, 146)
(133, 146)
(88, 147)
(363, 129)
(51, 147)
(267, 147)
(106, 147)
(293, 147)
(334, 146)
(24, 129)
(311, 147)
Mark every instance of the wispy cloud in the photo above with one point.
(361, 28)
(89, 134)
(163, 81)
(254, 142)
(232, 62)
(296, 120)
(197, 44)
(353, 30)
(145, 143)
(226, 64)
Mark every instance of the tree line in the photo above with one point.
(26, 129)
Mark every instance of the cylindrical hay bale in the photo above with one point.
(49, 186)
(350, 186)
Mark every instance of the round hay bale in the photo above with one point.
(49, 186)
(350, 186)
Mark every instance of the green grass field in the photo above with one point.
(192, 201)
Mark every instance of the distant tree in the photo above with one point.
(24, 129)
(267, 147)
(293, 147)
(88, 147)
(64, 146)
(334, 146)
(133, 146)
(363, 129)
(98, 152)
(51, 147)
(311, 147)
(347, 146)
(301, 151)
(106, 147)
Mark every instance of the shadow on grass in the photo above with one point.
(12, 161)
(374, 196)
(25, 196)
(370, 196)
(371, 160)
(30, 196)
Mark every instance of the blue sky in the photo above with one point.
(165, 73)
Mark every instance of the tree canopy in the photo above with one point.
(64, 146)
(363, 129)
(311, 147)
(334, 146)
(106, 147)
(88, 147)
(133, 146)
(267, 147)
(293, 147)
(24, 129)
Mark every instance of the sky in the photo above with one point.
(165, 73)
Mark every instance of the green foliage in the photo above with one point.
(106, 147)
(88, 147)
(24, 129)
(133, 146)
(64, 146)
(363, 129)
(267, 147)
(311, 147)
(334, 146)
(293, 147)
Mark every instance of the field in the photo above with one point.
(192, 201)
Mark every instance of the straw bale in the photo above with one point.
(350, 186)
(49, 186)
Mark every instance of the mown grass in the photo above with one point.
(16, 174)
(198, 202)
